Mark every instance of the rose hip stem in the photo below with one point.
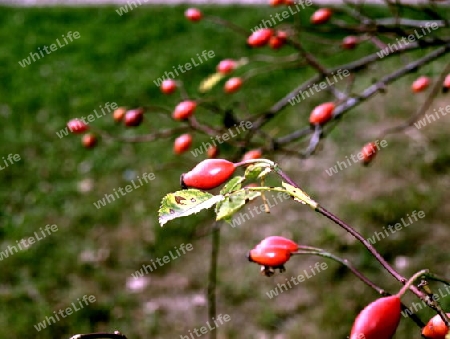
(345, 262)
(411, 281)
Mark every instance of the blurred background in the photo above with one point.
(96, 251)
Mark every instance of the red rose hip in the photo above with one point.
(182, 143)
(369, 151)
(208, 174)
(278, 242)
(277, 41)
(77, 126)
(322, 114)
(260, 38)
(447, 82)
(276, 2)
(349, 42)
(168, 86)
(193, 14)
(321, 16)
(232, 85)
(119, 113)
(212, 152)
(378, 320)
(134, 117)
(184, 110)
(226, 66)
(420, 84)
(435, 328)
(89, 140)
(269, 256)
(252, 154)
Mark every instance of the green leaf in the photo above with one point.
(233, 203)
(257, 171)
(232, 185)
(299, 195)
(186, 202)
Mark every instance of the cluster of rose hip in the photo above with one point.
(276, 39)
(182, 112)
(378, 320)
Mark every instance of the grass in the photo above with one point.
(95, 251)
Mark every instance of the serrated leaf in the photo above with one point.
(186, 202)
(257, 171)
(232, 185)
(252, 172)
(234, 202)
(208, 83)
(299, 195)
(264, 172)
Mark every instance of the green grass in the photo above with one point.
(116, 59)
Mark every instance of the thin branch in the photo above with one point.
(194, 124)
(314, 141)
(293, 136)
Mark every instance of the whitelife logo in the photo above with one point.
(398, 226)
(244, 216)
(53, 47)
(124, 9)
(402, 43)
(282, 15)
(434, 116)
(316, 88)
(222, 138)
(221, 319)
(415, 307)
(318, 267)
(25, 243)
(64, 313)
(108, 198)
(161, 262)
(10, 160)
